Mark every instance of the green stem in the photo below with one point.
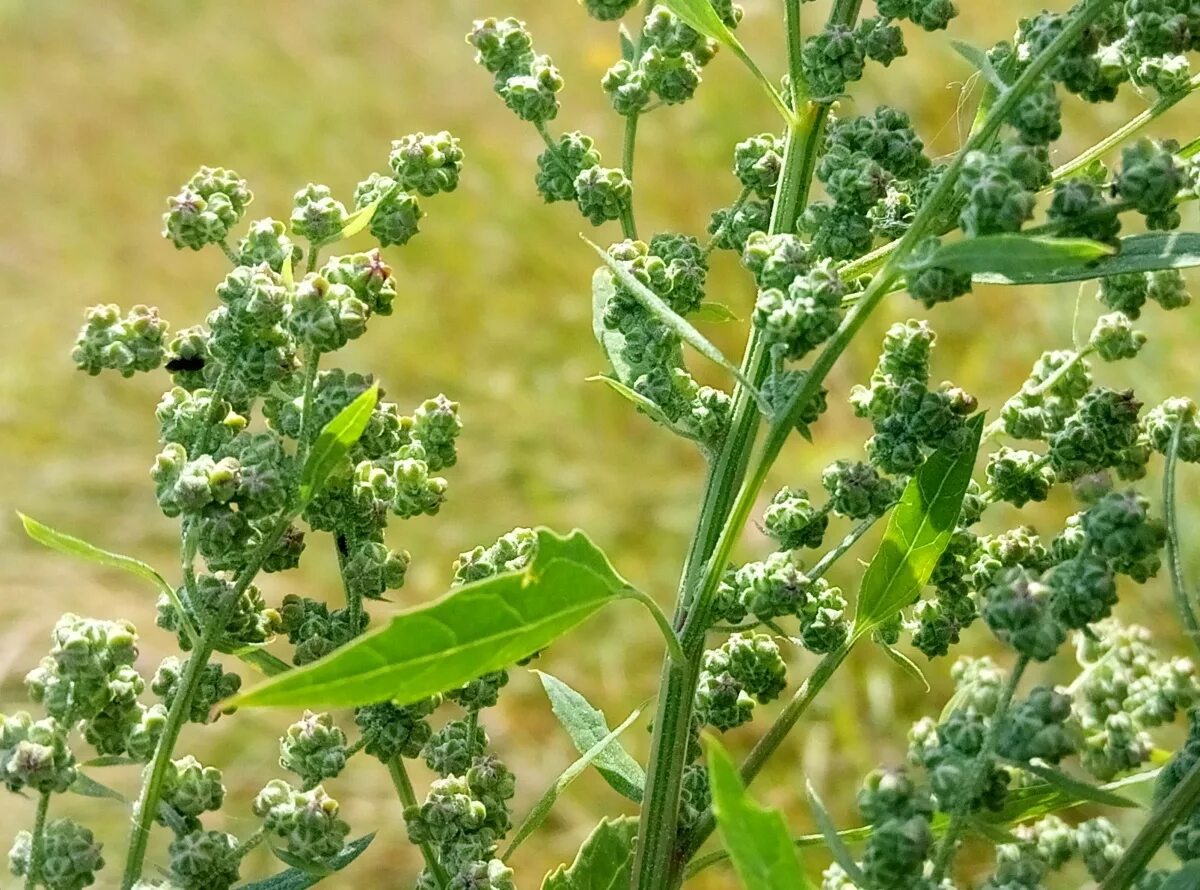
(629, 142)
(770, 742)
(997, 426)
(1178, 805)
(230, 255)
(312, 361)
(727, 222)
(1183, 602)
(852, 538)
(664, 624)
(314, 257)
(240, 851)
(983, 762)
(38, 843)
(404, 790)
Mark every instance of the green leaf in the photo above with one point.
(1075, 788)
(288, 273)
(649, 408)
(586, 726)
(669, 317)
(978, 60)
(111, 760)
(361, 218)
(1016, 255)
(906, 664)
(542, 808)
(86, 786)
(299, 879)
(604, 862)
(700, 15)
(918, 530)
(1137, 253)
(756, 837)
(628, 47)
(1035, 801)
(335, 442)
(317, 870)
(267, 664)
(1187, 878)
(837, 848)
(713, 311)
(473, 629)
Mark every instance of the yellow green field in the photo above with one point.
(105, 108)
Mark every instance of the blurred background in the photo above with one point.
(107, 107)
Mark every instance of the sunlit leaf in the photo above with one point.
(1137, 253)
(1017, 255)
(604, 862)
(335, 442)
(297, 878)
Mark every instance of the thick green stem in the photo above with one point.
(404, 790)
(37, 845)
(1183, 602)
(1178, 805)
(978, 775)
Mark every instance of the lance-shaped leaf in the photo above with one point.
(1034, 801)
(86, 786)
(979, 60)
(1012, 256)
(918, 530)
(837, 847)
(1073, 787)
(676, 322)
(755, 836)
(700, 15)
(1137, 253)
(542, 808)
(301, 879)
(587, 727)
(335, 442)
(645, 405)
(473, 629)
(361, 218)
(604, 862)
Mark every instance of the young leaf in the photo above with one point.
(1137, 253)
(315, 870)
(110, 760)
(86, 786)
(649, 408)
(474, 629)
(979, 61)
(300, 879)
(1076, 788)
(1187, 878)
(701, 16)
(361, 218)
(918, 530)
(1016, 255)
(335, 442)
(628, 47)
(542, 808)
(756, 837)
(710, 310)
(668, 316)
(72, 546)
(837, 848)
(266, 663)
(906, 664)
(586, 726)
(1034, 801)
(604, 862)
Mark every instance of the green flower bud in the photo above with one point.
(34, 754)
(368, 277)
(191, 788)
(480, 875)
(797, 321)
(389, 731)
(793, 521)
(603, 193)
(452, 749)
(1160, 423)
(70, 856)
(504, 46)
(779, 388)
(1097, 436)
(997, 200)
(215, 684)
(627, 87)
(1079, 209)
(1019, 476)
(532, 95)
(326, 316)
(307, 821)
(857, 491)
(838, 231)
(931, 284)
(832, 59)
(881, 40)
(427, 164)
(313, 748)
(204, 860)
(316, 215)
(1168, 288)
(1114, 338)
(1119, 529)
(187, 357)
(608, 10)
(1084, 591)
(449, 814)
(775, 260)
(267, 242)
(141, 740)
(1150, 179)
(128, 345)
(757, 163)
(721, 701)
(1039, 727)
(1125, 293)
(1038, 116)
(673, 78)
(492, 784)
(482, 692)
(666, 31)
(560, 165)
(1017, 609)
(823, 623)
(398, 214)
(1100, 846)
(206, 208)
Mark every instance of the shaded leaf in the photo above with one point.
(1136, 253)
(86, 786)
(604, 862)
(586, 726)
(980, 62)
(672, 319)
(317, 870)
(299, 879)
(756, 837)
(542, 808)
(1073, 787)
(111, 760)
(267, 664)
(906, 664)
(715, 312)
(1187, 878)
(1035, 801)
(841, 855)
(1016, 255)
(335, 442)
(645, 405)
(918, 530)
(472, 630)
(700, 15)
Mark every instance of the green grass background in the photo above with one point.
(106, 107)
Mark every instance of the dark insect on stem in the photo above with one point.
(186, 363)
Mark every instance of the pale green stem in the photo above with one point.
(1183, 601)
(826, 562)
(978, 774)
(404, 790)
(228, 251)
(1178, 805)
(37, 844)
(997, 426)
(727, 222)
(664, 624)
(240, 851)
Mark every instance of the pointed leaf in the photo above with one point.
(361, 218)
(335, 442)
(111, 760)
(628, 47)
(1035, 801)
(1016, 255)
(1076, 788)
(604, 862)
(647, 407)
(837, 848)
(755, 836)
(477, 628)
(299, 879)
(267, 664)
(1137, 253)
(979, 61)
(586, 726)
(713, 311)
(701, 16)
(669, 317)
(542, 808)
(918, 530)
(86, 786)
(316, 870)
(906, 664)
